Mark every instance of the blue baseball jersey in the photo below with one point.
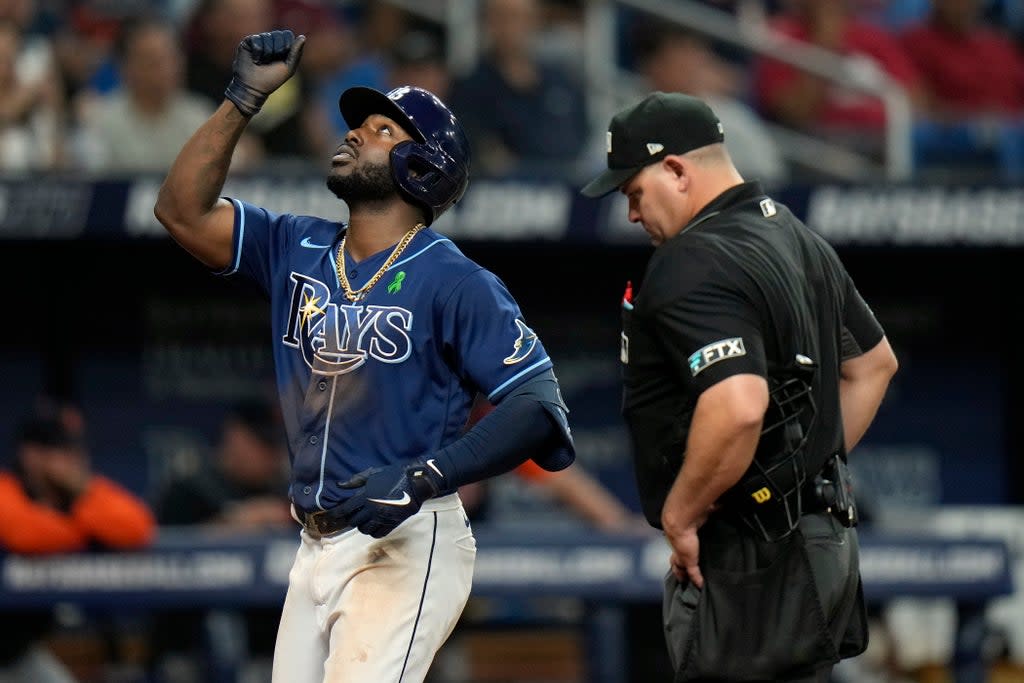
(391, 377)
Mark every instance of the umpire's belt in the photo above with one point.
(322, 522)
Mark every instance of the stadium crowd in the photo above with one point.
(116, 86)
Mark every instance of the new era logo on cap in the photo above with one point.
(679, 122)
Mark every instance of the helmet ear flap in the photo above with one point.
(427, 177)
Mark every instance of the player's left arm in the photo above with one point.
(529, 420)
(496, 350)
(521, 426)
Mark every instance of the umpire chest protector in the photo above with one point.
(745, 288)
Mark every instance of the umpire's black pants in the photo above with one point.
(833, 555)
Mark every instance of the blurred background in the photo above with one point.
(893, 127)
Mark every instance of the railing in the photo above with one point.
(187, 568)
(754, 36)
(607, 84)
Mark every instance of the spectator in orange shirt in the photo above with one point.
(52, 502)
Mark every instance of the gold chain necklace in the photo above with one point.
(395, 253)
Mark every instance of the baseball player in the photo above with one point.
(382, 334)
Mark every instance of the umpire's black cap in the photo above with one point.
(656, 126)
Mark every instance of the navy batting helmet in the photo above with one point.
(432, 169)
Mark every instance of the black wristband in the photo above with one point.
(246, 98)
(425, 482)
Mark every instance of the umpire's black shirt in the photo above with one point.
(744, 285)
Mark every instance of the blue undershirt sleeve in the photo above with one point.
(529, 423)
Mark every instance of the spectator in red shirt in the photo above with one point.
(974, 83)
(807, 102)
(967, 67)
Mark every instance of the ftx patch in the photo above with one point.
(714, 352)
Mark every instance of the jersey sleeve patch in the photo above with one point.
(705, 357)
(523, 345)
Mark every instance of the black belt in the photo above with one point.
(322, 522)
(776, 520)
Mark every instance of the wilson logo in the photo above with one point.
(762, 495)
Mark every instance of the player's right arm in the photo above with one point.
(189, 204)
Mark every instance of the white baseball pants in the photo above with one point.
(366, 610)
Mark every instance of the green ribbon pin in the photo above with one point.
(396, 284)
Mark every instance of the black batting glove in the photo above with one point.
(384, 497)
(263, 62)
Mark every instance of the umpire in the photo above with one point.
(751, 367)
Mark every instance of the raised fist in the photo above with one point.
(263, 62)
